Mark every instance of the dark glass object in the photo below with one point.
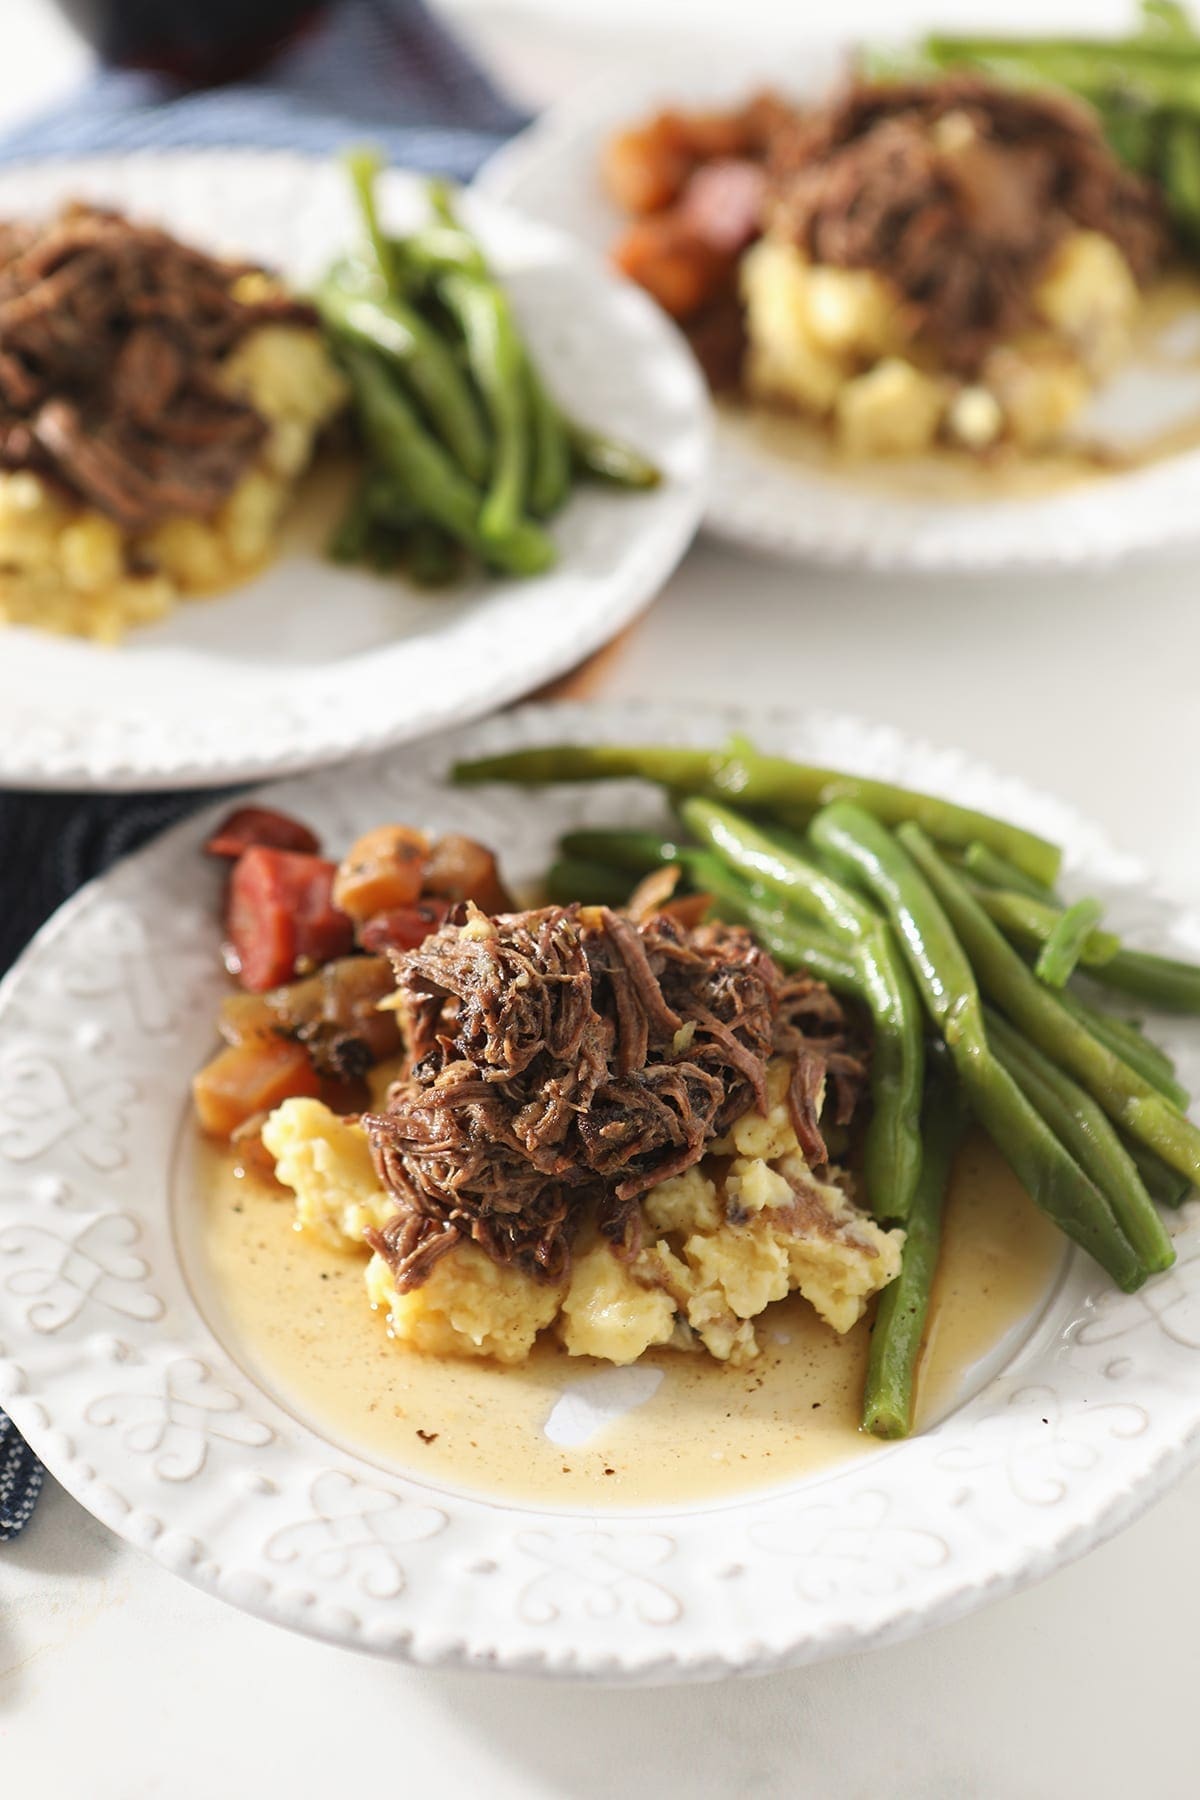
(197, 40)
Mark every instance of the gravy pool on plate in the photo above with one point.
(291, 1311)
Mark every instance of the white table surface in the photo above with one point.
(118, 1682)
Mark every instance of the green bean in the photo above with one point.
(439, 250)
(385, 549)
(1162, 981)
(399, 334)
(503, 375)
(497, 362)
(367, 530)
(761, 857)
(430, 555)
(550, 471)
(866, 851)
(790, 791)
(1033, 923)
(609, 459)
(996, 871)
(1127, 1042)
(634, 850)
(440, 195)
(533, 448)
(364, 167)
(1132, 135)
(904, 1304)
(348, 541)
(595, 883)
(1129, 1099)
(1163, 1183)
(791, 941)
(1084, 1128)
(357, 275)
(1180, 173)
(425, 473)
(1062, 950)
(892, 1144)
(1115, 59)
(388, 505)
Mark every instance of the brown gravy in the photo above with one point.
(295, 1316)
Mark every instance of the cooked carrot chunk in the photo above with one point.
(667, 256)
(244, 1079)
(383, 869)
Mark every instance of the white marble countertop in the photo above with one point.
(118, 1682)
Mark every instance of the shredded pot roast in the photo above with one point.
(568, 1059)
(110, 339)
(958, 190)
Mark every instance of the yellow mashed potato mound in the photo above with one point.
(69, 568)
(469, 1306)
(831, 343)
(721, 1242)
(326, 1161)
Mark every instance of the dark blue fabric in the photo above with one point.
(377, 70)
(21, 1476)
(381, 70)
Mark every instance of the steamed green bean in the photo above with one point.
(1050, 1175)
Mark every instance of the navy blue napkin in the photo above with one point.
(382, 71)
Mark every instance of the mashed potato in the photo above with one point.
(720, 1244)
(469, 1306)
(327, 1164)
(68, 568)
(831, 343)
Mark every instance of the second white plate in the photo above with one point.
(309, 662)
(782, 503)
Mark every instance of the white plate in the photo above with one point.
(310, 662)
(109, 1369)
(768, 501)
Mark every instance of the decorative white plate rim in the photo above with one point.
(757, 498)
(308, 663)
(109, 1369)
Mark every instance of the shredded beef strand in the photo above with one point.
(411, 1244)
(805, 1095)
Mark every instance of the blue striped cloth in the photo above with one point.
(377, 70)
(382, 70)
